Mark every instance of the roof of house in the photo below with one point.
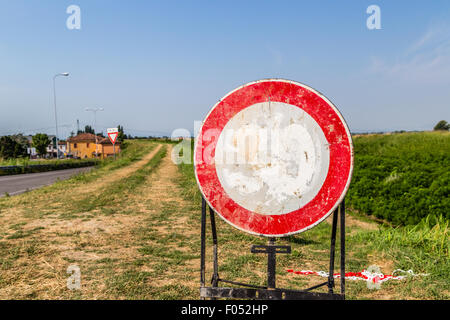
(89, 137)
(84, 137)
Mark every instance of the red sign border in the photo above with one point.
(110, 139)
(334, 187)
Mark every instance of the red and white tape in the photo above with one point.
(365, 275)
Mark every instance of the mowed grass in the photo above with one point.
(133, 238)
(114, 194)
(72, 222)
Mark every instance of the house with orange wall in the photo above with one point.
(87, 145)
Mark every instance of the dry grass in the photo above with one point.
(145, 244)
(38, 245)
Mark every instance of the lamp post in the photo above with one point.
(95, 110)
(64, 74)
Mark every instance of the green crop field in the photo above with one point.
(402, 178)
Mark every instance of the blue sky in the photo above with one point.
(155, 66)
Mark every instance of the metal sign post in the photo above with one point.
(113, 133)
(273, 158)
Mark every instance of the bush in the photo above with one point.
(9, 148)
(442, 125)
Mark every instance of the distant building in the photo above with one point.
(62, 146)
(87, 145)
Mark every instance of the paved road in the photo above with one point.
(21, 183)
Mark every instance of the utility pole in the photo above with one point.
(95, 110)
(65, 74)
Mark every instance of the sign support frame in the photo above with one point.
(270, 292)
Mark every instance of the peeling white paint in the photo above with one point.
(272, 158)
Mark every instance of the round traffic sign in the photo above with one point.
(273, 157)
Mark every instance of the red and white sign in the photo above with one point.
(273, 157)
(113, 133)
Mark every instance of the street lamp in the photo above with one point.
(95, 110)
(64, 74)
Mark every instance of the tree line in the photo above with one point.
(15, 146)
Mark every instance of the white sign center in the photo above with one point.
(272, 158)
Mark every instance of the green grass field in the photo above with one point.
(132, 226)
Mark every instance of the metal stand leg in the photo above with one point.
(215, 277)
(332, 251)
(342, 231)
(202, 245)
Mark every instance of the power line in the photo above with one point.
(80, 125)
(33, 130)
(132, 129)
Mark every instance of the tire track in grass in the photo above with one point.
(162, 240)
(33, 264)
(41, 210)
(64, 192)
(121, 173)
(114, 194)
(150, 251)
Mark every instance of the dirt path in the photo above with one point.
(165, 235)
(118, 174)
